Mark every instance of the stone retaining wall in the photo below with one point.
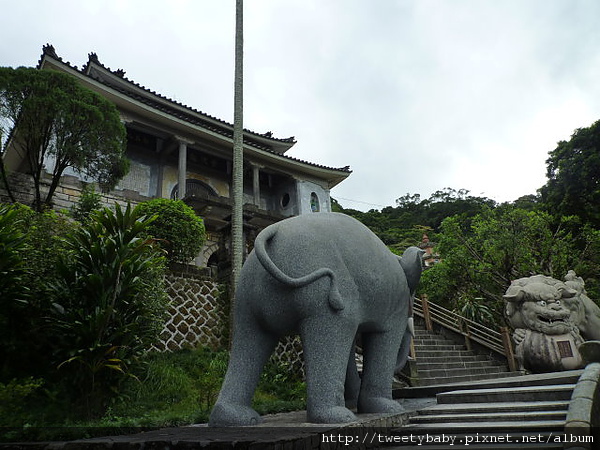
(67, 193)
(197, 313)
(199, 316)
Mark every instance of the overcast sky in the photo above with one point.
(413, 95)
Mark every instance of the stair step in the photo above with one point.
(457, 379)
(471, 408)
(512, 394)
(505, 380)
(443, 358)
(457, 364)
(507, 416)
(474, 427)
(456, 372)
(439, 347)
(445, 353)
(431, 341)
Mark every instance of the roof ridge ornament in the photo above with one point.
(48, 49)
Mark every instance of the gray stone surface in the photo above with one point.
(547, 316)
(327, 277)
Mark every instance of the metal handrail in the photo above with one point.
(472, 331)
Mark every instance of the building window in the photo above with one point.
(194, 188)
(314, 203)
(285, 200)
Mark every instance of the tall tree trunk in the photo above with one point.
(237, 184)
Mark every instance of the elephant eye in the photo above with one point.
(557, 302)
(542, 303)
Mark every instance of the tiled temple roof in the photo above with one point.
(116, 80)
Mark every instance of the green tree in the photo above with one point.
(481, 257)
(176, 226)
(404, 225)
(57, 123)
(573, 172)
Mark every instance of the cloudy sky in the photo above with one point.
(413, 95)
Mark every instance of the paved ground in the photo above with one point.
(278, 431)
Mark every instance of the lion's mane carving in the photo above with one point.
(550, 319)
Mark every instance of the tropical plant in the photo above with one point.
(176, 227)
(476, 310)
(35, 240)
(109, 302)
(57, 123)
(13, 290)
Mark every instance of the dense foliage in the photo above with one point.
(482, 256)
(94, 301)
(404, 225)
(57, 123)
(109, 304)
(25, 313)
(573, 172)
(177, 228)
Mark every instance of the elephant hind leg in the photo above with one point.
(352, 384)
(251, 349)
(326, 348)
(379, 359)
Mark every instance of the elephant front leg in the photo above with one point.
(326, 345)
(251, 349)
(379, 359)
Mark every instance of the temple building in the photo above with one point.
(180, 152)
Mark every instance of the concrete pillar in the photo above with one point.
(182, 170)
(256, 184)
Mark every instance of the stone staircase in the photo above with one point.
(440, 360)
(512, 413)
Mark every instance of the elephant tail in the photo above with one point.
(260, 248)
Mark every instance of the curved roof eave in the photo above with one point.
(256, 153)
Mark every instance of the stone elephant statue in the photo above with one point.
(327, 277)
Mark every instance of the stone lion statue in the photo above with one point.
(551, 318)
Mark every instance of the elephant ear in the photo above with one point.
(412, 265)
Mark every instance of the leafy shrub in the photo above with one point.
(180, 231)
(35, 241)
(13, 290)
(14, 397)
(109, 303)
(89, 201)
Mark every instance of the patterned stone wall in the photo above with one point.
(197, 314)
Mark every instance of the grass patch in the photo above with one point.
(174, 389)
